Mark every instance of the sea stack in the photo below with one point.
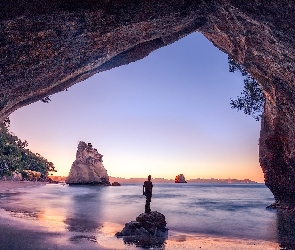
(87, 169)
(180, 179)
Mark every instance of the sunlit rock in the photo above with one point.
(31, 175)
(87, 169)
(180, 179)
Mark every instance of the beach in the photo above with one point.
(11, 186)
(43, 222)
(14, 236)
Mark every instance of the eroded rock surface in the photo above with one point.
(87, 169)
(47, 46)
(148, 230)
(180, 179)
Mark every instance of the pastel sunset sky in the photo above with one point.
(166, 114)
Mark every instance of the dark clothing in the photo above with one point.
(148, 188)
(147, 207)
(147, 191)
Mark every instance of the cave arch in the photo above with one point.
(47, 47)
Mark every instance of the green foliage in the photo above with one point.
(15, 157)
(46, 99)
(252, 98)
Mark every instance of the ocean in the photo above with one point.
(227, 210)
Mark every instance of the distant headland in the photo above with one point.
(198, 180)
(163, 180)
(222, 181)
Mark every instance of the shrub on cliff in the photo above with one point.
(252, 98)
(15, 157)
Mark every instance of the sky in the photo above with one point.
(164, 115)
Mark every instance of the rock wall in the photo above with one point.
(259, 35)
(87, 169)
(47, 46)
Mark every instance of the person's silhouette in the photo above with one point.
(147, 191)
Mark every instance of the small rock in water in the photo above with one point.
(180, 179)
(116, 183)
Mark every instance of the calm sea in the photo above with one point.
(237, 211)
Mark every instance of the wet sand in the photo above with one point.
(20, 233)
(11, 186)
(212, 243)
(14, 236)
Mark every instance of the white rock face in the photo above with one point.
(88, 168)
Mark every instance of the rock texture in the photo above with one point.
(87, 169)
(116, 183)
(47, 46)
(180, 179)
(148, 230)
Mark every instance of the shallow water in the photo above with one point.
(231, 211)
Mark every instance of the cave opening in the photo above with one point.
(167, 113)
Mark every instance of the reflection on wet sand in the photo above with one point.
(82, 224)
(84, 215)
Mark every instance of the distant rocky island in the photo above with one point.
(180, 179)
(87, 169)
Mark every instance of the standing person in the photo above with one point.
(147, 191)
